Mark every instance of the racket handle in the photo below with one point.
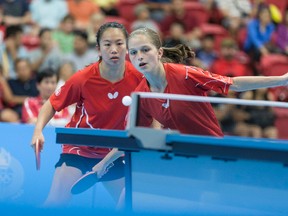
(109, 166)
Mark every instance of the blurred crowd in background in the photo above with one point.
(43, 42)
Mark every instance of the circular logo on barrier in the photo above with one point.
(11, 176)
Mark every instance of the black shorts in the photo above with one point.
(86, 164)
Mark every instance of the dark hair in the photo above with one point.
(12, 30)
(43, 30)
(177, 54)
(262, 7)
(107, 25)
(47, 72)
(81, 34)
(208, 37)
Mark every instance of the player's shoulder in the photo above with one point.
(174, 67)
(91, 68)
(174, 70)
(86, 72)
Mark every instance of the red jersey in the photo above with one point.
(32, 106)
(98, 103)
(187, 117)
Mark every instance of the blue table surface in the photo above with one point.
(232, 141)
(94, 132)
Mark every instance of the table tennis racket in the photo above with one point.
(37, 154)
(86, 181)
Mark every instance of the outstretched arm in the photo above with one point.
(245, 83)
(46, 113)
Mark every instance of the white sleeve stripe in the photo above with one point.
(87, 119)
(84, 113)
(77, 124)
(27, 107)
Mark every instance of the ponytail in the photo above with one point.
(177, 54)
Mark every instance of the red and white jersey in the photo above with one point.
(98, 103)
(187, 117)
(31, 109)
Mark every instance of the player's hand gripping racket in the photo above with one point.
(37, 154)
(86, 181)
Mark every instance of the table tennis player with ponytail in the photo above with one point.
(97, 90)
(165, 72)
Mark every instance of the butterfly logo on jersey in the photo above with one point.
(113, 96)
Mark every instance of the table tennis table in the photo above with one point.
(171, 172)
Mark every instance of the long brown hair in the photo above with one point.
(177, 54)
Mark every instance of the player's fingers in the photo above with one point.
(33, 146)
(41, 145)
(102, 172)
(99, 174)
(32, 143)
(39, 142)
